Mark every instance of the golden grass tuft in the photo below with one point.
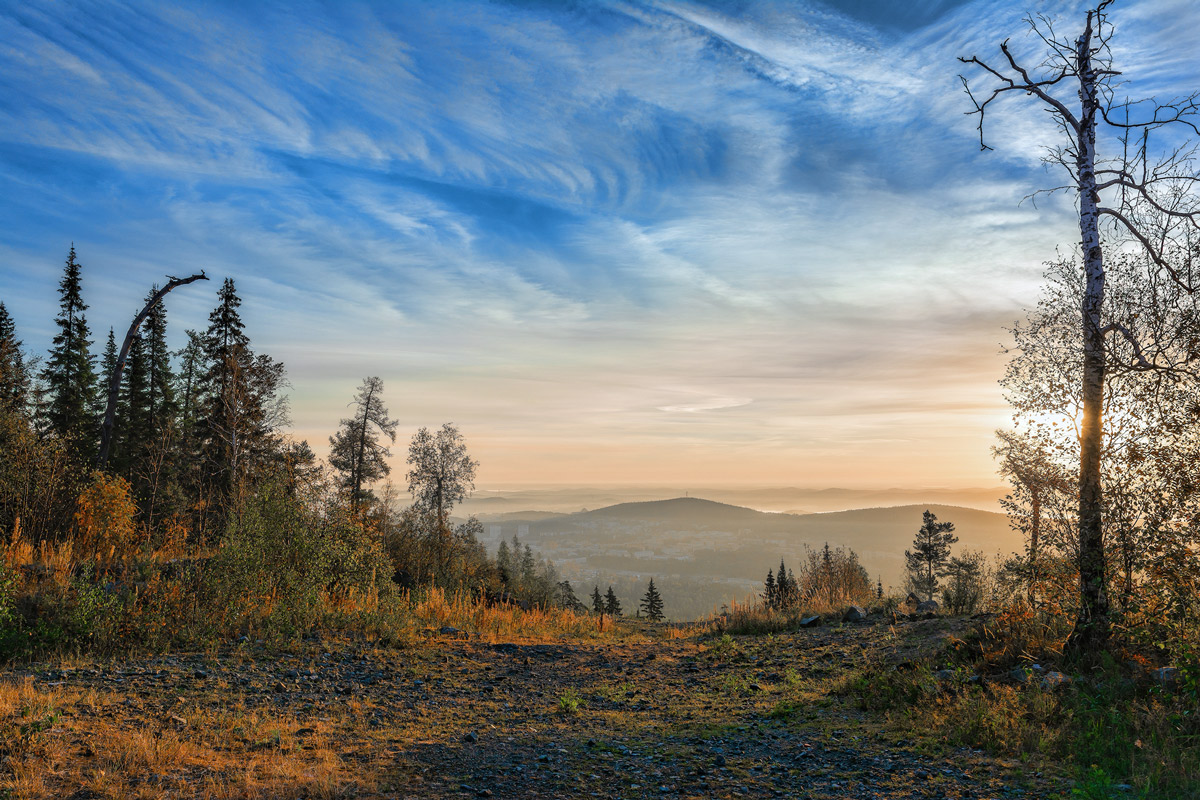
(59, 743)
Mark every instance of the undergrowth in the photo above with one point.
(1112, 725)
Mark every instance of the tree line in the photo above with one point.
(199, 467)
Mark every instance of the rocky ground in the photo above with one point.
(646, 716)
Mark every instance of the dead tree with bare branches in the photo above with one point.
(1129, 200)
(114, 380)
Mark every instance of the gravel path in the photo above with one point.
(744, 717)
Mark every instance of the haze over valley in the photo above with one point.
(704, 554)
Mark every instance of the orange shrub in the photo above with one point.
(104, 516)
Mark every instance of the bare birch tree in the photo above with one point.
(1128, 198)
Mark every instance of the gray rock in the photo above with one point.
(813, 621)
(855, 614)
(1055, 680)
(944, 674)
(1167, 677)
(449, 630)
(928, 607)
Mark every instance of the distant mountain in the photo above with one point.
(688, 513)
(887, 529)
(774, 499)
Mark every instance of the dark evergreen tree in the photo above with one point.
(355, 450)
(926, 562)
(504, 562)
(770, 591)
(566, 597)
(14, 373)
(160, 380)
(652, 604)
(191, 368)
(133, 407)
(787, 590)
(612, 605)
(70, 374)
(597, 600)
(239, 405)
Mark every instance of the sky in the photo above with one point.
(613, 242)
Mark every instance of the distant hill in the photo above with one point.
(688, 513)
(568, 499)
(708, 553)
(884, 530)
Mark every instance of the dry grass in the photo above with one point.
(61, 742)
(408, 620)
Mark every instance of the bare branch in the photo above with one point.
(1153, 252)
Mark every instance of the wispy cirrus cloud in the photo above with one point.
(566, 227)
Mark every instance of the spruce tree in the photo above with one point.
(567, 598)
(355, 450)
(597, 600)
(160, 380)
(612, 606)
(504, 562)
(14, 374)
(770, 591)
(134, 406)
(70, 374)
(926, 562)
(238, 403)
(652, 604)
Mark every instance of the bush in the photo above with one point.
(280, 564)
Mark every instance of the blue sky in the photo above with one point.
(613, 241)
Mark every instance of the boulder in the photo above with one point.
(928, 607)
(1166, 677)
(855, 614)
(1055, 680)
(812, 621)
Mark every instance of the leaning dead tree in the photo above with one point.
(1126, 199)
(114, 380)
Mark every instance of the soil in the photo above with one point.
(646, 716)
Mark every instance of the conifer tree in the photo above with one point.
(108, 363)
(70, 374)
(355, 450)
(770, 591)
(504, 562)
(14, 374)
(612, 606)
(566, 597)
(238, 400)
(160, 380)
(597, 600)
(926, 562)
(134, 404)
(191, 367)
(652, 604)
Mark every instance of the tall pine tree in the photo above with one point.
(926, 562)
(239, 404)
(160, 382)
(14, 374)
(355, 450)
(70, 374)
(612, 605)
(597, 600)
(652, 603)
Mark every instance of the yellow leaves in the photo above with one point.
(104, 514)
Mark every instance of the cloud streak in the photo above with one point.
(589, 234)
